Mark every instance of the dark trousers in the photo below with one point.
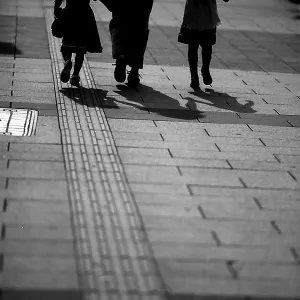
(129, 30)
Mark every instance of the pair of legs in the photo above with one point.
(206, 54)
(65, 74)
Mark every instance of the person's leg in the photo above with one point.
(117, 29)
(206, 59)
(75, 79)
(78, 63)
(193, 64)
(67, 55)
(65, 73)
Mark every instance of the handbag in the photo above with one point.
(58, 25)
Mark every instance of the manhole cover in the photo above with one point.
(18, 122)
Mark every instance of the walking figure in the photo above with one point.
(198, 28)
(80, 36)
(129, 30)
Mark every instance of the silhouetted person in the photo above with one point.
(198, 28)
(80, 35)
(129, 30)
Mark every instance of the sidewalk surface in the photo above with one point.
(158, 192)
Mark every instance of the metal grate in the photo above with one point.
(18, 122)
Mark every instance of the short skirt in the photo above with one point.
(194, 36)
(81, 32)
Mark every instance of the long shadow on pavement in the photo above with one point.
(133, 106)
(225, 101)
(8, 49)
(83, 96)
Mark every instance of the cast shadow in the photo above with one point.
(173, 108)
(8, 49)
(223, 101)
(99, 98)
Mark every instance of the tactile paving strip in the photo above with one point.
(18, 122)
(115, 257)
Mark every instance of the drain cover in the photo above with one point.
(18, 122)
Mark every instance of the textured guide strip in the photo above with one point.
(115, 257)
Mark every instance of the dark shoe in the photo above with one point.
(120, 69)
(207, 80)
(75, 79)
(133, 79)
(195, 82)
(65, 73)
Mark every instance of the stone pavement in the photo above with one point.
(159, 192)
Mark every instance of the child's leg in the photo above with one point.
(66, 55)
(193, 58)
(206, 59)
(206, 56)
(193, 64)
(65, 73)
(75, 79)
(78, 63)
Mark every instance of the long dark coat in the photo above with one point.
(80, 32)
(129, 29)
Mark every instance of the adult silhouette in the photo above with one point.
(129, 30)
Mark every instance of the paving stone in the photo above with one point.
(132, 126)
(256, 239)
(166, 145)
(37, 248)
(213, 253)
(284, 158)
(280, 203)
(40, 280)
(189, 138)
(38, 233)
(34, 101)
(280, 99)
(36, 106)
(291, 132)
(30, 93)
(37, 148)
(281, 143)
(263, 166)
(119, 135)
(190, 237)
(289, 227)
(3, 165)
(267, 120)
(270, 180)
(41, 170)
(269, 271)
(125, 152)
(221, 288)
(198, 269)
(178, 153)
(293, 120)
(155, 174)
(257, 149)
(29, 76)
(195, 223)
(36, 213)
(162, 188)
(210, 177)
(37, 189)
(171, 127)
(234, 211)
(46, 294)
(39, 264)
(168, 161)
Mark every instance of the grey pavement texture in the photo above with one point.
(158, 192)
